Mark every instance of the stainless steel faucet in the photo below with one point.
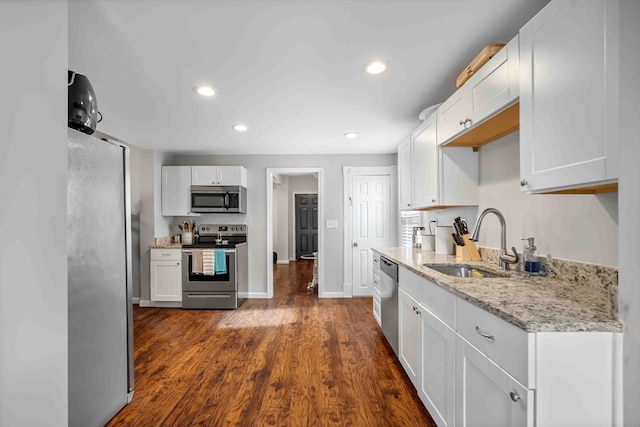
(504, 259)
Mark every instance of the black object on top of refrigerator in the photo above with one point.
(81, 103)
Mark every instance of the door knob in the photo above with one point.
(355, 244)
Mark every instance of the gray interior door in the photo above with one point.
(306, 224)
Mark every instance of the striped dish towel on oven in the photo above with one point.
(208, 262)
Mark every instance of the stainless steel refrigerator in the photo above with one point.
(99, 280)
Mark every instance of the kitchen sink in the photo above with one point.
(462, 270)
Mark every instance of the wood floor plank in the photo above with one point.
(294, 360)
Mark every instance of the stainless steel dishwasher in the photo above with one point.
(389, 301)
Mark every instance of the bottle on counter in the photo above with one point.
(531, 262)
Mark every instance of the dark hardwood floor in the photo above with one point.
(294, 360)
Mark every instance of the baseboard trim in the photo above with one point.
(162, 304)
(333, 295)
(258, 295)
(135, 300)
(348, 290)
(282, 261)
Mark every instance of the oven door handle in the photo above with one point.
(226, 251)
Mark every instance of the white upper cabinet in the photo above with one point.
(454, 115)
(219, 175)
(569, 68)
(437, 178)
(404, 174)
(424, 163)
(485, 107)
(176, 182)
(496, 84)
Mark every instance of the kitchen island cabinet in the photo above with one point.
(513, 350)
(569, 82)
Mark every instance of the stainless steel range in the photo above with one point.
(215, 269)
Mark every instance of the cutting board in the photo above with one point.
(485, 54)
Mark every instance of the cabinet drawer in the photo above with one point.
(440, 302)
(504, 343)
(158, 254)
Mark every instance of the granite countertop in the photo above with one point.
(533, 303)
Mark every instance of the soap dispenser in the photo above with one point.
(531, 262)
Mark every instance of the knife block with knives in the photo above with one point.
(466, 249)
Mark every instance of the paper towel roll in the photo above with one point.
(444, 240)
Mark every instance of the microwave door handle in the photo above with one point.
(226, 200)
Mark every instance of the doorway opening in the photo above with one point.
(283, 185)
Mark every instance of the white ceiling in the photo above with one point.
(291, 70)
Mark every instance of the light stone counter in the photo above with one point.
(533, 303)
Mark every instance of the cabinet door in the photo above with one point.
(454, 115)
(493, 86)
(232, 175)
(485, 394)
(569, 78)
(424, 164)
(438, 369)
(204, 175)
(176, 182)
(166, 281)
(404, 174)
(409, 334)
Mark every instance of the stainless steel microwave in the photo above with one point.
(218, 199)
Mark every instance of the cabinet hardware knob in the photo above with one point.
(414, 308)
(514, 396)
(523, 183)
(433, 200)
(468, 120)
(177, 263)
(462, 122)
(355, 244)
(418, 312)
(487, 336)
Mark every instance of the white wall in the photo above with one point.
(256, 206)
(281, 220)
(33, 208)
(576, 227)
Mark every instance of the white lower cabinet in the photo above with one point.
(377, 297)
(427, 344)
(166, 275)
(437, 390)
(409, 331)
(473, 368)
(486, 395)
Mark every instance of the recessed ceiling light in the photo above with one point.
(205, 90)
(376, 67)
(240, 127)
(351, 135)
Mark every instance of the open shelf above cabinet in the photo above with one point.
(494, 127)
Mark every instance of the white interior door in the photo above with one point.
(371, 227)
